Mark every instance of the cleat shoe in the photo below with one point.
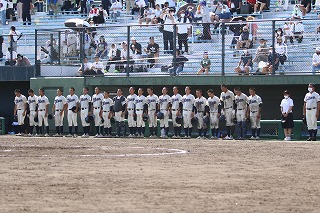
(46, 135)
(252, 138)
(75, 135)
(257, 138)
(29, 135)
(83, 136)
(199, 137)
(56, 135)
(174, 137)
(69, 135)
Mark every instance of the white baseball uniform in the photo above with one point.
(175, 101)
(200, 104)
(42, 103)
(213, 104)
(311, 100)
(152, 108)
(72, 100)
(32, 101)
(163, 105)
(254, 102)
(20, 107)
(107, 103)
(227, 98)
(96, 104)
(59, 103)
(140, 102)
(187, 105)
(130, 107)
(85, 101)
(241, 102)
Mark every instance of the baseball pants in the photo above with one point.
(72, 118)
(165, 121)
(214, 120)
(174, 116)
(131, 121)
(32, 115)
(20, 116)
(42, 118)
(311, 119)
(97, 118)
(84, 113)
(255, 122)
(241, 115)
(140, 122)
(187, 119)
(229, 117)
(118, 117)
(200, 120)
(107, 123)
(58, 119)
(152, 118)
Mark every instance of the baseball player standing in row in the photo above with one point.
(227, 100)
(254, 110)
(240, 107)
(141, 108)
(72, 106)
(200, 103)
(58, 111)
(107, 108)
(214, 112)
(119, 111)
(43, 111)
(85, 104)
(97, 111)
(175, 107)
(164, 101)
(311, 111)
(130, 110)
(32, 102)
(20, 109)
(188, 110)
(152, 101)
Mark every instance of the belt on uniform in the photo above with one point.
(151, 109)
(200, 111)
(164, 109)
(58, 109)
(19, 109)
(130, 109)
(228, 107)
(254, 111)
(311, 108)
(187, 109)
(174, 109)
(239, 109)
(40, 110)
(139, 109)
(96, 107)
(106, 111)
(84, 108)
(213, 112)
(32, 110)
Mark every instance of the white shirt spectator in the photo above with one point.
(87, 66)
(315, 59)
(4, 5)
(141, 3)
(286, 103)
(112, 52)
(297, 28)
(97, 66)
(168, 23)
(116, 6)
(183, 28)
(124, 53)
(157, 13)
(149, 13)
(281, 48)
(250, 37)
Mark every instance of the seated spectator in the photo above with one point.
(224, 16)
(93, 12)
(262, 52)
(281, 50)
(280, 34)
(216, 8)
(11, 57)
(305, 7)
(245, 63)
(153, 52)
(97, 66)
(262, 4)
(205, 64)
(114, 58)
(316, 61)
(136, 48)
(235, 6)
(139, 7)
(124, 58)
(101, 17)
(87, 68)
(22, 60)
(297, 30)
(245, 39)
(268, 66)
(66, 6)
(287, 30)
(157, 12)
(180, 60)
(102, 47)
(296, 12)
(148, 15)
(115, 9)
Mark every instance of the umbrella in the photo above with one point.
(184, 7)
(76, 23)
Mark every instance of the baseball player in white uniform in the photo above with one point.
(107, 108)
(20, 109)
(141, 108)
(85, 110)
(200, 103)
(72, 101)
(227, 100)
(175, 108)
(254, 111)
(188, 110)
(58, 112)
(32, 102)
(130, 110)
(43, 110)
(152, 101)
(163, 106)
(97, 111)
(240, 107)
(214, 112)
(311, 111)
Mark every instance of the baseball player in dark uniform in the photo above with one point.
(119, 109)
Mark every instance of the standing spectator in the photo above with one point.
(153, 52)
(253, 27)
(14, 37)
(3, 9)
(245, 39)
(97, 66)
(148, 15)
(10, 11)
(22, 60)
(305, 7)
(169, 20)
(262, 4)
(287, 115)
(205, 64)
(262, 52)
(66, 6)
(11, 57)
(281, 50)
(129, 5)
(115, 10)
(53, 6)
(102, 47)
(180, 60)
(205, 13)
(297, 30)
(316, 61)
(114, 58)
(40, 5)
(84, 9)
(235, 6)
(106, 4)
(26, 12)
(19, 10)
(245, 63)
(101, 17)
(183, 29)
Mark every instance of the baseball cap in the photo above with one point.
(96, 56)
(124, 42)
(245, 28)
(318, 49)
(133, 39)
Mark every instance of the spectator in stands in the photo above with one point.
(102, 47)
(26, 12)
(316, 61)
(205, 14)
(224, 16)
(19, 10)
(253, 27)
(262, 4)
(183, 29)
(305, 7)
(157, 12)
(51, 51)
(114, 58)
(93, 12)
(101, 17)
(106, 4)
(124, 57)
(87, 68)
(297, 30)
(9, 12)
(22, 60)
(245, 63)
(139, 7)
(205, 64)
(66, 6)
(53, 6)
(153, 52)
(115, 9)
(39, 4)
(129, 4)
(287, 30)
(14, 37)
(152, 3)
(215, 9)
(83, 7)
(268, 68)
(262, 52)
(169, 20)
(11, 57)
(137, 53)
(296, 13)
(280, 34)
(3, 10)
(97, 66)
(245, 39)
(235, 6)
(87, 42)
(148, 15)
(281, 50)
(180, 60)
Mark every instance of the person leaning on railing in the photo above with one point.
(22, 60)
(11, 57)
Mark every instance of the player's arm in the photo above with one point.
(219, 109)
(180, 107)
(53, 107)
(47, 110)
(206, 110)
(15, 110)
(145, 108)
(259, 111)
(25, 108)
(318, 107)
(248, 110)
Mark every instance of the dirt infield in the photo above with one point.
(142, 175)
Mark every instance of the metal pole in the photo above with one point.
(59, 46)
(128, 51)
(82, 53)
(36, 52)
(223, 49)
(273, 44)
(51, 49)
(11, 49)
(174, 49)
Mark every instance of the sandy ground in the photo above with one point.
(142, 175)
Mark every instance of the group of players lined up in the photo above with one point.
(185, 111)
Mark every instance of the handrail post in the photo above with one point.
(273, 44)
(174, 49)
(128, 51)
(223, 49)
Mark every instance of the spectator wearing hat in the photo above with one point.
(87, 70)
(22, 61)
(262, 52)
(114, 58)
(245, 39)
(169, 20)
(153, 52)
(115, 10)
(205, 64)
(297, 30)
(124, 57)
(316, 61)
(183, 29)
(245, 63)
(180, 60)
(102, 47)
(148, 15)
(97, 66)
